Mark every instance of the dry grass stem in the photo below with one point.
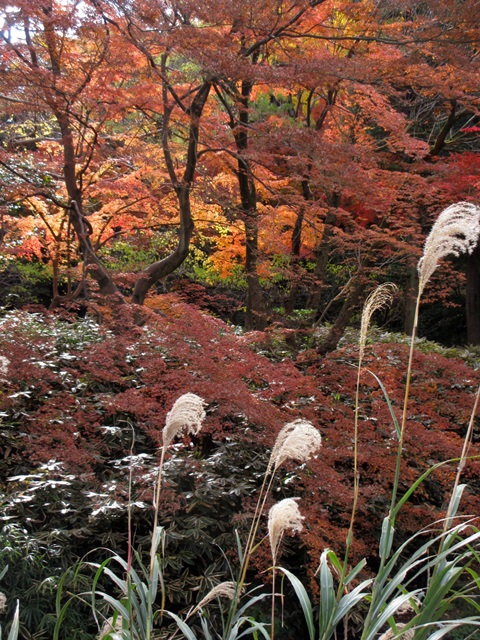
(283, 516)
(222, 590)
(185, 417)
(299, 443)
(456, 231)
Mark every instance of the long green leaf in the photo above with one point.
(389, 404)
(184, 628)
(386, 539)
(13, 635)
(449, 625)
(390, 609)
(349, 600)
(355, 571)
(327, 597)
(254, 626)
(304, 600)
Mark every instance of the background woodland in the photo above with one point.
(197, 197)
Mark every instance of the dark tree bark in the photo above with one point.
(255, 316)
(338, 328)
(411, 290)
(296, 244)
(60, 107)
(167, 265)
(322, 253)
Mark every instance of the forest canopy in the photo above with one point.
(292, 155)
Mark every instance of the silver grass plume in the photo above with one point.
(222, 590)
(283, 516)
(298, 440)
(381, 297)
(3, 602)
(186, 416)
(284, 432)
(456, 231)
(4, 362)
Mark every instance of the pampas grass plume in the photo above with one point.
(298, 440)
(381, 297)
(222, 590)
(186, 416)
(456, 231)
(283, 516)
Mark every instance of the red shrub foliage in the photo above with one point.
(65, 390)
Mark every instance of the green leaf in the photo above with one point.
(254, 627)
(349, 600)
(13, 635)
(389, 404)
(327, 598)
(184, 628)
(355, 571)
(388, 611)
(304, 600)
(386, 539)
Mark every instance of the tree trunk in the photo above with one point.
(164, 267)
(411, 290)
(255, 317)
(296, 244)
(346, 312)
(473, 297)
(60, 109)
(322, 253)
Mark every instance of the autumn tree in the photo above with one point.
(332, 119)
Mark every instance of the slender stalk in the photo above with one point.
(356, 480)
(272, 630)
(153, 549)
(129, 510)
(249, 547)
(396, 480)
(129, 531)
(392, 512)
(158, 491)
(463, 461)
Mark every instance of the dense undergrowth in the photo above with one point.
(83, 404)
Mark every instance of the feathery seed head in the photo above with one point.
(456, 231)
(381, 297)
(283, 516)
(284, 432)
(3, 602)
(299, 442)
(4, 362)
(186, 416)
(222, 590)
